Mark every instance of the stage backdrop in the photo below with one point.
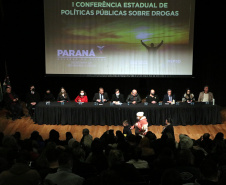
(125, 38)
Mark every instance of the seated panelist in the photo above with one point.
(152, 98)
(205, 96)
(169, 97)
(117, 97)
(32, 99)
(63, 95)
(101, 96)
(188, 96)
(48, 96)
(82, 97)
(12, 103)
(134, 97)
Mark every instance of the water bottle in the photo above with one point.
(213, 101)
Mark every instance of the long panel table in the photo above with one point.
(72, 113)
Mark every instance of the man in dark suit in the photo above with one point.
(101, 97)
(117, 97)
(168, 128)
(11, 101)
(168, 98)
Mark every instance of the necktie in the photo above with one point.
(170, 98)
(101, 99)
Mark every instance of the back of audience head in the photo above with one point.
(144, 143)
(111, 132)
(108, 137)
(97, 146)
(34, 135)
(115, 157)
(151, 136)
(219, 136)
(85, 131)
(78, 154)
(131, 139)
(185, 142)
(206, 136)
(118, 132)
(72, 143)
(68, 136)
(120, 137)
(9, 142)
(54, 135)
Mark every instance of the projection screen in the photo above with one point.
(119, 38)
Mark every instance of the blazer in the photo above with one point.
(166, 98)
(120, 98)
(132, 98)
(201, 96)
(97, 96)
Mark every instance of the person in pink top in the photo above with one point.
(82, 97)
(141, 126)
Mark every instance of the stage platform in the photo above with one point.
(71, 113)
(26, 126)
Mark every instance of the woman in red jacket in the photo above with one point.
(82, 97)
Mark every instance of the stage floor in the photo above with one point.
(26, 126)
